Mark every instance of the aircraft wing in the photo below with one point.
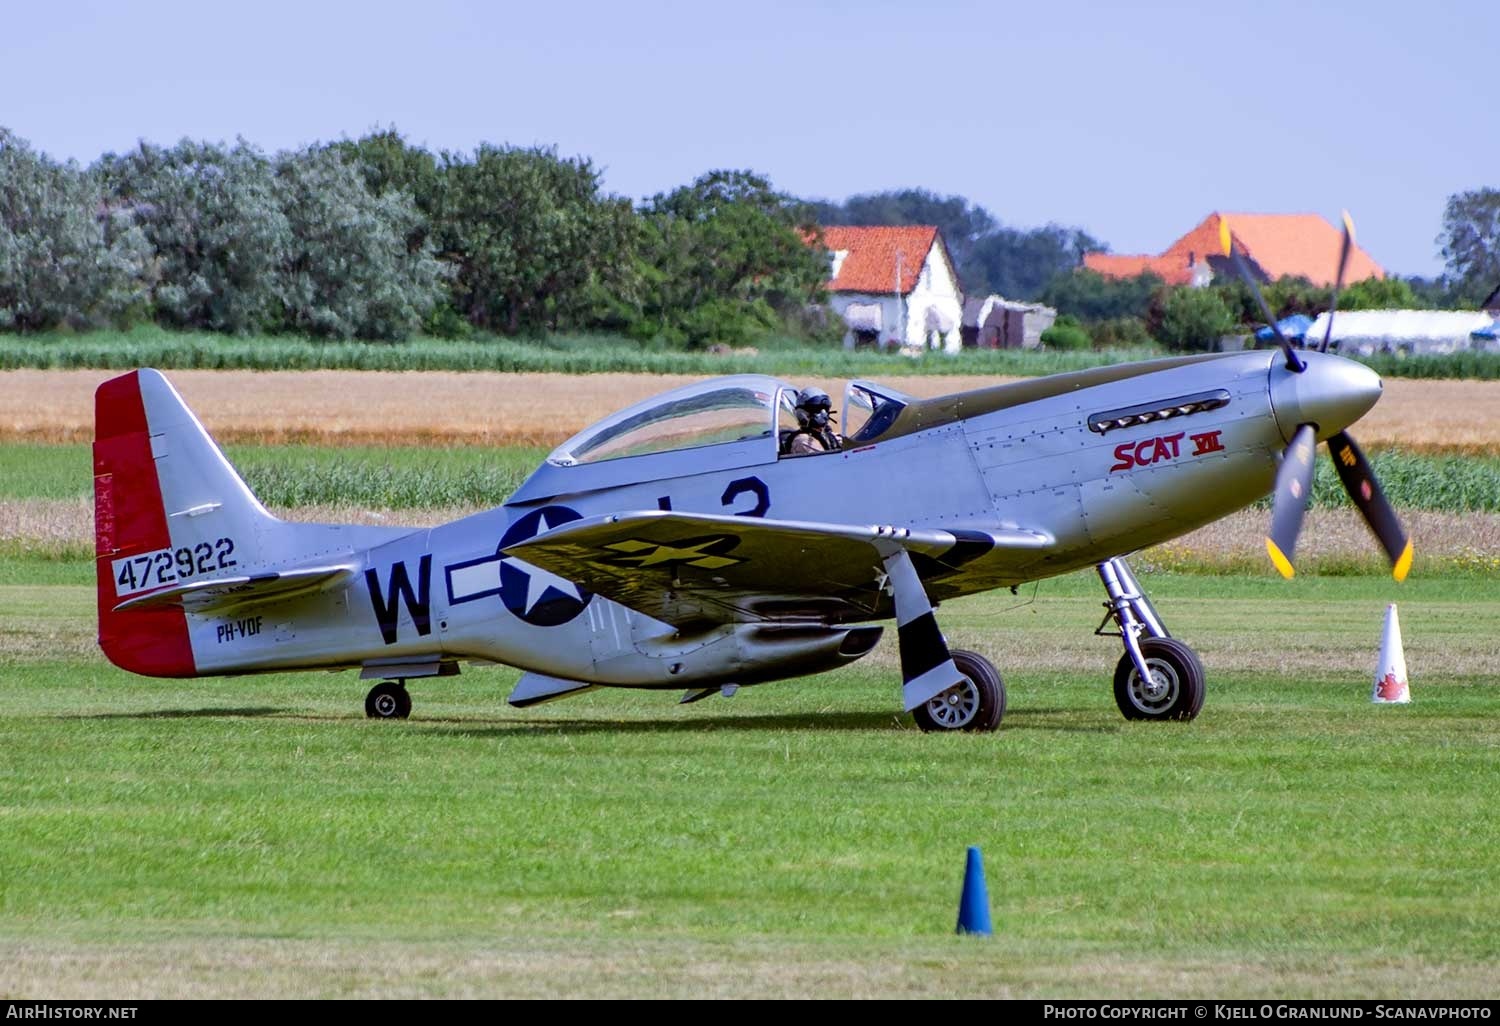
(222, 593)
(690, 568)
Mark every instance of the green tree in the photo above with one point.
(348, 269)
(213, 218)
(725, 258)
(1065, 333)
(1470, 242)
(532, 239)
(1382, 294)
(1191, 319)
(65, 257)
(389, 165)
(1021, 263)
(1092, 297)
(1285, 296)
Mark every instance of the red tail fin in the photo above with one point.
(129, 522)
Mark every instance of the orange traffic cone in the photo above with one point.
(1390, 675)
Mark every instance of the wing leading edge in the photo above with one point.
(691, 569)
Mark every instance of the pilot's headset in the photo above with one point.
(813, 407)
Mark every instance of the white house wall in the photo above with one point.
(940, 292)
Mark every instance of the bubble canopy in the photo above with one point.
(732, 409)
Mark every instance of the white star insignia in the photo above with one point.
(539, 580)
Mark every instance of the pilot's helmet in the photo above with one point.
(813, 407)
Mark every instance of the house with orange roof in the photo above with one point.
(1274, 246)
(894, 286)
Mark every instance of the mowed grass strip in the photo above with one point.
(1295, 840)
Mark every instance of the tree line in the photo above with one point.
(376, 238)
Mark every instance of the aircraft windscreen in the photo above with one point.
(868, 412)
(725, 414)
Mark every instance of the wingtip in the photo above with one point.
(1279, 560)
(1403, 564)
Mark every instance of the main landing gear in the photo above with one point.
(976, 703)
(388, 700)
(1158, 677)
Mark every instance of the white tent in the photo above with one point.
(1418, 332)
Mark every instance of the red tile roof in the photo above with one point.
(1304, 245)
(872, 263)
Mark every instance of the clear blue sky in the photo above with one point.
(1131, 120)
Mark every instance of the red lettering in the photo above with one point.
(1122, 453)
(1174, 439)
(1207, 442)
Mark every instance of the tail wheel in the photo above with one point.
(976, 703)
(1175, 690)
(388, 700)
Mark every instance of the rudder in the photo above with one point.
(168, 509)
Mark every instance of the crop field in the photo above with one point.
(259, 837)
(391, 408)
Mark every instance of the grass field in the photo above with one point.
(258, 837)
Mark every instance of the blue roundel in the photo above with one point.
(541, 598)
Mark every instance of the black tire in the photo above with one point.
(1178, 694)
(978, 704)
(388, 700)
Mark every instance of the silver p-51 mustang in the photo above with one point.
(680, 544)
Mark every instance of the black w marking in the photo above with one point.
(417, 604)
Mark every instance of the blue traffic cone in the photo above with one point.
(974, 905)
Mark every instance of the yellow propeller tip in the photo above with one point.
(1403, 565)
(1279, 560)
(1224, 240)
(1348, 225)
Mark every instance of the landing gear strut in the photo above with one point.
(942, 689)
(1158, 677)
(388, 700)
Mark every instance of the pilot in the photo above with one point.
(814, 434)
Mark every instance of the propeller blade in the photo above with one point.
(1289, 501)
(1338, 283)
(1226, 242)
(1359, 481)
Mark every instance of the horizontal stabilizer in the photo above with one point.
(233, 592)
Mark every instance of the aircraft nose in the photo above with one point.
(1332, 392)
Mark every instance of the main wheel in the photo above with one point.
(1175, 691)
(976, 703)
(388, 700)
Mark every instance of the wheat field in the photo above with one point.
(421, 407)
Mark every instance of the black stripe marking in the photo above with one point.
(969, 547)
(922, 647)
